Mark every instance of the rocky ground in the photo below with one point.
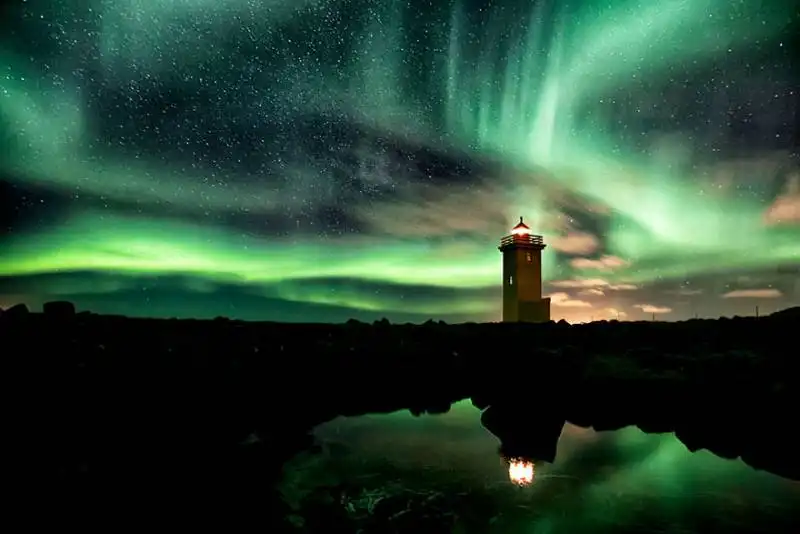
(192, 406)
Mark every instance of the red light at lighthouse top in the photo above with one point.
(521, 229)
(522, 237)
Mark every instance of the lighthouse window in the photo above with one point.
(529, 257)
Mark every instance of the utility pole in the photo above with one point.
(756, 312)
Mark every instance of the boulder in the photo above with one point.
(16, 311)
(59, 309)
(787, 314)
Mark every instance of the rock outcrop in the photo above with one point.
(59, 309)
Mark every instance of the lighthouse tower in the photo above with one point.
(522, 277)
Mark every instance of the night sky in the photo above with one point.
(316, 160)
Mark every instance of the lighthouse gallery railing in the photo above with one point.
(523, 239)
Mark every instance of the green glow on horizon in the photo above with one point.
(148, 246)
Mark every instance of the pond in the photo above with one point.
(443, 473)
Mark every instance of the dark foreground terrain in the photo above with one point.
(115, 420)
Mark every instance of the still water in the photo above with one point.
(443, 473)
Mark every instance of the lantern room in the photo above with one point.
(522, 235)
(521, 228)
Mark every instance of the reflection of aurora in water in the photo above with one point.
(600, 481)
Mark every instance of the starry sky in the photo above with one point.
(317, 160)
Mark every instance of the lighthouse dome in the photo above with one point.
(521, 228)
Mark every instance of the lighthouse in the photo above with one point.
(522, 277)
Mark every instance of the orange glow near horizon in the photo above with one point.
(520, 471)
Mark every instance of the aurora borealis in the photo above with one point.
(326, 159)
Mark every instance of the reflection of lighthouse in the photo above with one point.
(521, 471)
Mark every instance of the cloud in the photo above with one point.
(580, 283)
(426, 211)
(604, 263)
(786, 208)
(563, 300)
(575, 243)
(623, 287)
(585, 315)
(479, 208)
(686, 292)
(616, 313)
(788, 269)
(594, 292)
(592, 283)
(650, 308)
(753, 294)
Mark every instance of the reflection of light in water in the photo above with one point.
(520, 471)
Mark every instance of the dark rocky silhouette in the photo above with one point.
(16, 311)
(117, 413)
(59, 309)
